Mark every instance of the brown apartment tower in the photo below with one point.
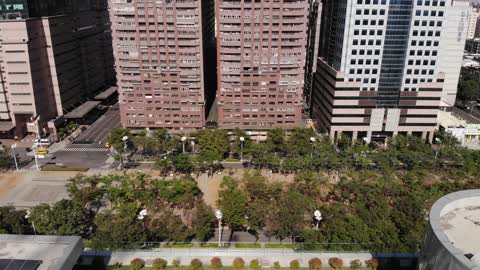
(54, 56)
(261, 52)
(164, 57)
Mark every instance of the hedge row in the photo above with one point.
(239, 263)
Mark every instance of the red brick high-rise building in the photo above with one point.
(162, 51)
(261, 47)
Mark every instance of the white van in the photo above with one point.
(41, 142)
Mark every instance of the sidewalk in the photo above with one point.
(267, 257)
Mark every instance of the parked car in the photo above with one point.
(41, 151)
(41, 142)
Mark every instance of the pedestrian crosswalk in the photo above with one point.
(85, 149)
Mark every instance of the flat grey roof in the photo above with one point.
(462, 227)
(455, 220)
(107, 93)
(6, 126)
(82, 110)
(55, 252)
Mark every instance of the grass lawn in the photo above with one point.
(248, 245)
(178, 245)
(209, 245)
(292, 246)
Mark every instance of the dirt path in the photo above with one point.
(210, 185)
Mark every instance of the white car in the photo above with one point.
(41, 142)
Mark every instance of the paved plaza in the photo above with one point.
(27, 189)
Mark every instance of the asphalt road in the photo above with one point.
(98, 131)
(80, 159)
(88, 150)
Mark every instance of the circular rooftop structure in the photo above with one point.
(453, 237)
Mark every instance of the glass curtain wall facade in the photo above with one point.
(394, 51)
(386, 66)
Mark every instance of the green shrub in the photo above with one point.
(276, 265)
(87, 243)
(356, 264)
(196, 264)
(176, 263)
(216, 263)
(335, 263)
(159, 264)
(295, 265)
(315, 263)
(238, 263)
(255, 264)
(137, 264)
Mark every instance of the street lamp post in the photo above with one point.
(219, 215)
(36, 158)
(192, 143)
(124, 140)
(242, 139)
(27, 216)
(14, 156)
(312, 140)
(318, 217)
(183, 142)
(366, 140)
(142, 215)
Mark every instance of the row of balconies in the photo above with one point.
(272, 4)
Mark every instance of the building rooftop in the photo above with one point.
(455, 219)
(6, 126)
(470, 63)
(54, 252)
(82, 110)
(107, 93)
(447, 119)
(462, 227)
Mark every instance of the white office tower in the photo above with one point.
(386, 66)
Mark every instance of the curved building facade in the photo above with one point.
(453, 237)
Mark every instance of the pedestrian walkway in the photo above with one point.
(85, 149)
(266, 256)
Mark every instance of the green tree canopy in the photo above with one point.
(213, 143)
(232, 202)
(64, 218)
(13, 221)
(115, 139)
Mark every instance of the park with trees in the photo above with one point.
(369, 194)
(469, 85)
(372, 197)
(289, 152)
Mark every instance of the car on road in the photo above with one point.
(41, 142)
(41, 151)
(107, 145)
